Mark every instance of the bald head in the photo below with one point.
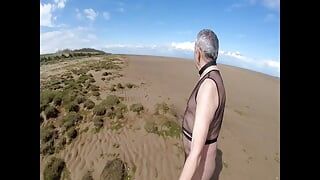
(208, 43)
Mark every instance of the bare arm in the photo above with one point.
(207, 103)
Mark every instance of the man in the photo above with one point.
(204, 113)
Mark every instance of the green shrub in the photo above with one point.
(119, 86)
(46, 97)
(60, 144)
(72, 133)
(51, 112)
(106, 74)
(115, 169)
(103, 79)
(89, 104)
(95, 93)
(41, 119)
(43, 107)
(122, 107)
(99, 110)
(71, 119)
(47, 148)
(119, 115)
(130, 85)
(161, 108)
(83, 78)
(68, 96)
(171, 129)
(113, 88)
(151, 127)
(110, 101)
(73, 107)
(98, 122)
(111, 114)
(80, 99)
(94, 88)
(46, 133)
(92, 80)
(53, 169)
(87, 176)
(136, 108)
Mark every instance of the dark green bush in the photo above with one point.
(80, 99)
(103, 79)
(51, 112)
(41, 119)
(87, 176)
(94, 88)
(47, 148)
(106, 74)
(73, 107)
(53, 169)
(60, 144)
(110, 101)
(57, 100)
(130, 85)
(89, 104)
(98, 122)
(99, 110)
(136, 108)
(120, 86)
(43, 107)
(71, 119)
(72, 133)
(95, 93)
(46, 97)
(47, 133)
(115, 170)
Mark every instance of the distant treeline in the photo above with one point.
(67, 53)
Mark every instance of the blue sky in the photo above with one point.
(248, 30)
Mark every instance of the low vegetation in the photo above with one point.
(99, 110)
(53, 169)
(114, 169)
(137, 108)
(72, 133)
(89, 104)
(51, 112)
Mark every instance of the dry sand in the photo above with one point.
(249, 139)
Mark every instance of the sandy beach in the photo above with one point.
(248, 147)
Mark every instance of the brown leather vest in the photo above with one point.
(190, 112)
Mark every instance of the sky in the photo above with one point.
(248, 30)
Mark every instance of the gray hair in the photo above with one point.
(208, 42)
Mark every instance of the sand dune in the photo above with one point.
(249, 139)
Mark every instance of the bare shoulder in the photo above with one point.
(208, 85)
(207, 90)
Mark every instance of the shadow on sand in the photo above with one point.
(219, 165)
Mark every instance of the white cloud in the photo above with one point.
(272, 4)
(120, 10)
(78, 14)
(46, 15)
(236, 55)
(106, 15)
(90, 14)
(188, 46)
(79, 37)
(60, 3)
(46, 12)
(272, 63)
